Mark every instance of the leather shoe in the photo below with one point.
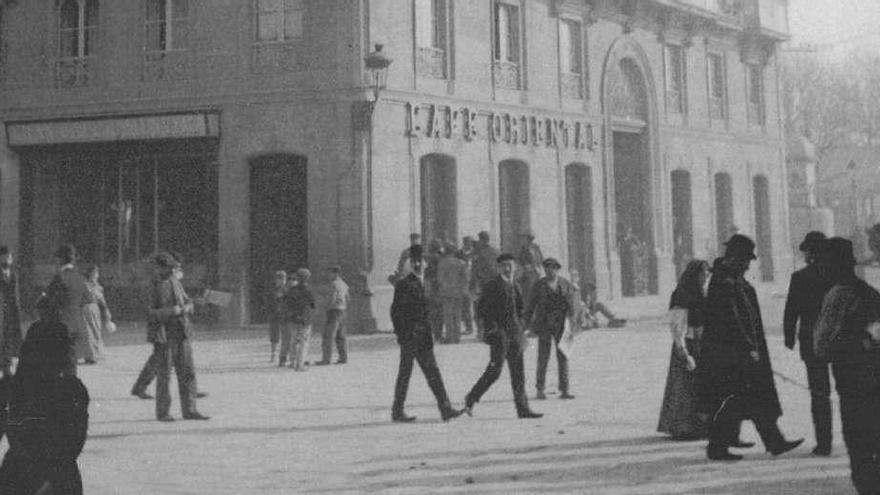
(786, 446)
(822, 451)
(196, 416)
(722, 455)
(141, 395)
(451, 413)
(529, 414)
(201, 395)
(166, 419)
(739, 444)
(402, 418)
(566, 395)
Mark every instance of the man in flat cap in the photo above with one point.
(409, 315)
(554, 299)
(805, 293)
(848, 335)
(67, 295)
(501, 309)
(735, 376)
(168, 329)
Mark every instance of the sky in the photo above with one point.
(835, 25)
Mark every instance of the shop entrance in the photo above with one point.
(279, 225)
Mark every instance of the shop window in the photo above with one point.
(507, 45)
(432, 38)
(513, 188)
(439, 198)
(571, 58)
(717, 86)
(77, 37)
(676, 98)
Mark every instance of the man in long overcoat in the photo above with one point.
(68, 294)
(805, 294)
(501, 309)
(409, 315)
(10, 312)
(735, 376)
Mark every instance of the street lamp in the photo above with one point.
(377, 63)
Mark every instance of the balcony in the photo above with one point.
(725, 12)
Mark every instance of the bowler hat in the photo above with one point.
(812, 241)
(504, 257)
(415, 251)
(839, 251)
(552, 262)
(740, 246)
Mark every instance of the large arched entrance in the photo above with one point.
(579, 220)
(630, 133)
(513, 188)
(439, 198)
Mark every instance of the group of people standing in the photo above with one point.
(720, 371)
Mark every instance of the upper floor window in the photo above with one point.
(77, 36)
(675, 80)
(279, 20)
(167, 25)
(571, 56)
(432, 37)
(755, 96)
(717, 86)
(507, 45)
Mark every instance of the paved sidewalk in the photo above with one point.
(327, 430)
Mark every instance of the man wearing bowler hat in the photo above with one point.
(554, 299)
(501, 307)
(735, 376)
(805, 293)
(409, 315)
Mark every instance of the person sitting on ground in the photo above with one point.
(593, 307)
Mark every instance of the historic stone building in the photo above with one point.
(628, 135)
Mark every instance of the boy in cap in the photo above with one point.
(334, 330)
(301, 303)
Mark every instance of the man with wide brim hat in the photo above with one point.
(805, 294)
(847, 335)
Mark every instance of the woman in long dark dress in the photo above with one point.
(678, 413)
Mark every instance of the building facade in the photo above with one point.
(628, 135)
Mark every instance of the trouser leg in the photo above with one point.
(497, 351)
(467, 314)
(186, 375)
(862, 436)
(303, 332)
(286, 342)
(543, 358)
(341, 341)
(452, 318)
(163, 377)
(561, 368)
(517, 377)
(148, 372)
(819, 381)
(404, 371)
(724, 424)
(428, 364)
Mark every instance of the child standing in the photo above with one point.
(278, 312)
(334, 330)
(301, 303)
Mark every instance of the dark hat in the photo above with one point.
(66, 252)
(812, 241)
(483, 235)
(415, 235)
(740, 246)
(415, 251)
(165, 260)
(839, 251)
(467, 238)
(504, 257)
(552, 262)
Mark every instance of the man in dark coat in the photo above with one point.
(483, 269)
(10, 312)
(805, 293)
(169, 331)
(501, 309)
(67, 294)
(736, 378)
(409, 315)
(848, 334)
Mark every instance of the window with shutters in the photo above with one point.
(432, 38)
(77, 37)
(571, 58)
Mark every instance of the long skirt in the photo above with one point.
(678, 413)
(90, 346)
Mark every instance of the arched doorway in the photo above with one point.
(279, 225)
(513, 187)
(763, 234)
(724, 226)
(682, 220)
(579, 219)
(439, 198)
(630, 130)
